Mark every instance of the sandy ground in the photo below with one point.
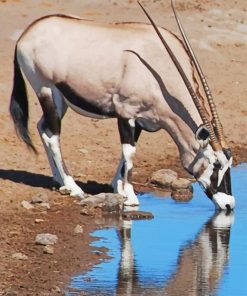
(218, 32)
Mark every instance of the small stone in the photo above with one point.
(26, 205)
(137, 215)
(83, 150)
(78, 229)
(48, 249)
(19, 256)
(46, 239)
(163, 178)
(57, 290)
(40, 198)
(39, 220)
(45, 205)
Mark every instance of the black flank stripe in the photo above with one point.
(80, 102)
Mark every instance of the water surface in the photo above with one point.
(187, 249)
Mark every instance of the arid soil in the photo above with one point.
(218, 32)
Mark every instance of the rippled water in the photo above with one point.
(186, 249)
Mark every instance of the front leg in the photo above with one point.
(127, 136)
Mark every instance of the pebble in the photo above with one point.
(40, 198)
(78, 229)
(45, 205)
(137, 215)
(20, 256)
(46, 239)
(48, 249)
(26, 205)
(39, 220)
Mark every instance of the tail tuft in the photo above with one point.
(19, 106)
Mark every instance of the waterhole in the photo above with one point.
(187, 249)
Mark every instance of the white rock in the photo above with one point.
(39, 220)
(26, 205)
(46, 239)
(45, 205)
(19, 256)
(48, 249)
(78, 229)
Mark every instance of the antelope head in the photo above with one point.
(212, 164)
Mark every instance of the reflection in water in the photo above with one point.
(200, 265)
(183, 251)
(197, 271)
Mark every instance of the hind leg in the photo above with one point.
(49, 127)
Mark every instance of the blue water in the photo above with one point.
(187, 249)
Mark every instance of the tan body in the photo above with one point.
(92, 59)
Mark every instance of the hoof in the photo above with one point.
(74, 193)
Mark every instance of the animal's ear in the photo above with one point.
(202, 136)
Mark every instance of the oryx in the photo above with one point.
(120, 70)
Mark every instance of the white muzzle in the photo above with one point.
(224, 201)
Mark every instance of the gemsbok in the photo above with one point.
(141, 74)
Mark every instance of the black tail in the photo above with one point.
(19, 106)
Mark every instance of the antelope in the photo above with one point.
(141, 74)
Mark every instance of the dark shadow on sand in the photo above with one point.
(39, 180)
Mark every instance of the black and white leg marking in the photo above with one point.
(49, 127)
(122, 180)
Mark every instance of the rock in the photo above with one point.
(103, 202)
(40, 198)
(39, 220)
(26, 205)
(137, 215)
(46, 239)
(45, 205)
(48, 249)
(78, 229)
(163, 178)
(57, 290)
(19, 256)
(181, 183)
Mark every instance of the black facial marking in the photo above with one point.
(81, 102)
(175, 105)
(227, 152)
(203, 134)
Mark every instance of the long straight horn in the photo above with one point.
(213, 139)
(216, 120)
